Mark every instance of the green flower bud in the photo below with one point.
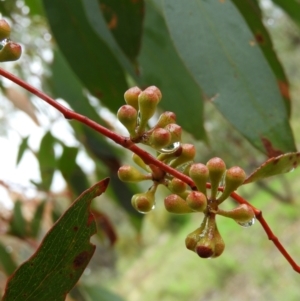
(205, 247)
(197, 201)
(177, 186)
(127, 115)
(159, 138)
(10, 52)
(139, 162)
(127, 173)
(148, 101)
(234, 177)
(131, 97)
(175, 204)
(165, 119)
(4, 30)
(216, 168)
(219, 243)
(144, 202)
(242, 214)
(199, 174)
(192, 238)
(188, 154)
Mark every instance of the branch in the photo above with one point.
(147, 158)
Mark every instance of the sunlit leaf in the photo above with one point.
(60, 260)
(214, 41)
(22, 148)
(274, 166)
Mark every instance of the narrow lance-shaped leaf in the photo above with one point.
(18, 222)
(161, 66)
(22, 148)
(7, 262)
(35, 223)
(61, 258)
(275, 166)
(89, 56)
(214, 42)
(253, 16)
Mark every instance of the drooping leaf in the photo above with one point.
(22, 148)
(18, 225)
(56, 266)
(35, 223)
(275, 166)
(213, 40)
(124, 20)
(65, 84)
(89, 56)
(292, 8)
(253, 16)
(161, 66)
(6, 261)
(71, 171)
(47, 161)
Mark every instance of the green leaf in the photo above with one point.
(214, 41)
(123, 19)
(65, 84)
(56, 266)
(161, 66)
(6, 260)
(292, 8)
(275, 166)
(89, 56)
(47, 161)
(22, 148)
(253, 16)
(71, 171)
(18, 223)
(35, 223)
(35, 6)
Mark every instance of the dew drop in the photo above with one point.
(248, 224)
(292, 169)
(146, 212)
(173, 147)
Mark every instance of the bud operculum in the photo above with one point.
(175, 204)
(127, 173)
(131, 97)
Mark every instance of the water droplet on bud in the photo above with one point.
(146, 212)
(247, 224)
(173, 147)
(292, 169)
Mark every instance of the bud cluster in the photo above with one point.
(9, 51)
(165, 138)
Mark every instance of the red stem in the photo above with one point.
(147, 158)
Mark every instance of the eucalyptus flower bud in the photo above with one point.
(188, 154)
(139, 162)
(127, 115)
(127, 173)
(177, 186)
(165, 119)
(175, 204)
(10, 52)
(144, 202)
(197, 201)
(234, 177)
(216, 168)
(4, 30)
(242, 214)
(148, 101)
(199, 174)
(219, 243)
(131, 97)
(159, 138)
